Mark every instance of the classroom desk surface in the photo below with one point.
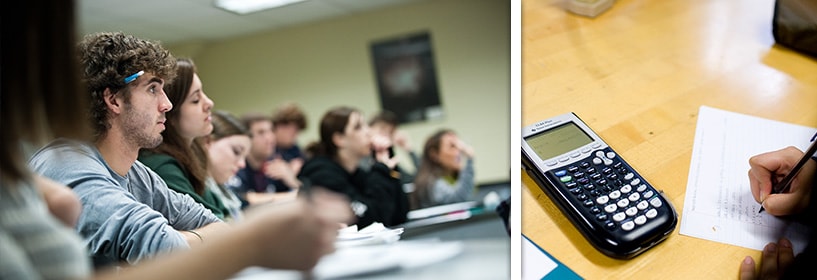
(637, 74)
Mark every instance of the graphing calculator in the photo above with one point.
(614, 207)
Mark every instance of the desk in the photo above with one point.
(637, 74)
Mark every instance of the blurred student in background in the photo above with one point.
(778, 260)
(334, 163)
(43, 98)
(385, 124)
(257, 182)
(227, 148)
(446, 173)
(288, 121)
(181, 162)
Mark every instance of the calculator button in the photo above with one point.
(595, 210)
(611, 225)
(563, 159)
(560, 173)
(612, 177)
(600, 154)
(597, 161)
(655, 202)
(591, 170)
(575, 155)
(610, 155)
(626, 189)
(602, 199)
(572, 169)
(629, 176)
(588, 203)
(634, 197)
(641, 188)
(585, 150)
(601, 217)
(589, 187)
(618, 165)
(635, 181)
(642, 205)
(623, 203)
(618, 217)
(651, 213)
(640, 220)
(595, 176)
(631, 211)
(584, 165)
(610, 208)
(628, 226)
(582, 196)
(551, 163)
(607, 161)
(648, 194)
(571, 185)
(607, 170)
(615, 194)
(578, 174)
(576, 191)
(565, 179)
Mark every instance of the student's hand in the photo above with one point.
(401, 140)
(774, 261)
(777, 164)
(380, 146)
(465, 148)
(279, 169)
(296, 235)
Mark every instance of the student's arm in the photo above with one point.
(306, 230)
(61, 201)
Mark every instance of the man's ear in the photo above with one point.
(111, 101)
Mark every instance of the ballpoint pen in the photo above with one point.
(785, 184)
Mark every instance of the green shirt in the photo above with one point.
(177, 179)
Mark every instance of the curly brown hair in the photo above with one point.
(108, 57)
(289, 113)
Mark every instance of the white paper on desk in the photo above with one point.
(719, 205)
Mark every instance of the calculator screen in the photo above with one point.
(558, 140)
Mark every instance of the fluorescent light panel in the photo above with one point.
(251, 6)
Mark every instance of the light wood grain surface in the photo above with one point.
(637, 74)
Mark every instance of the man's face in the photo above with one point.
(286, 134)
(143, 115)
(263, 139)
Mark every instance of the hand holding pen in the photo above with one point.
(777, 182)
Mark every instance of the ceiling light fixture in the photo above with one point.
(243, 7)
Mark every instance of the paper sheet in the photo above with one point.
(718, 205)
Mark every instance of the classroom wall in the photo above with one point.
(324, 64)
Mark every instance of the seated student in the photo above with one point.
(385, 123)
(287, 123)
(35, 245)
(180, 161)
(376, 194)
(227, 148)
(778, 260)
(128, 214)
(258, 182)
(446, 173)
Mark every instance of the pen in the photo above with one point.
(785, 184)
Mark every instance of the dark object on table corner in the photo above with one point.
(504, 211)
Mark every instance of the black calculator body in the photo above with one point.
(614, 207)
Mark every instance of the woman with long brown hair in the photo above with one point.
(376, 194)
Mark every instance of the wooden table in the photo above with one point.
(637, 74)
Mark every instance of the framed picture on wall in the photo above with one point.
(406, 77)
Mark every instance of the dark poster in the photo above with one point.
(406, 77)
